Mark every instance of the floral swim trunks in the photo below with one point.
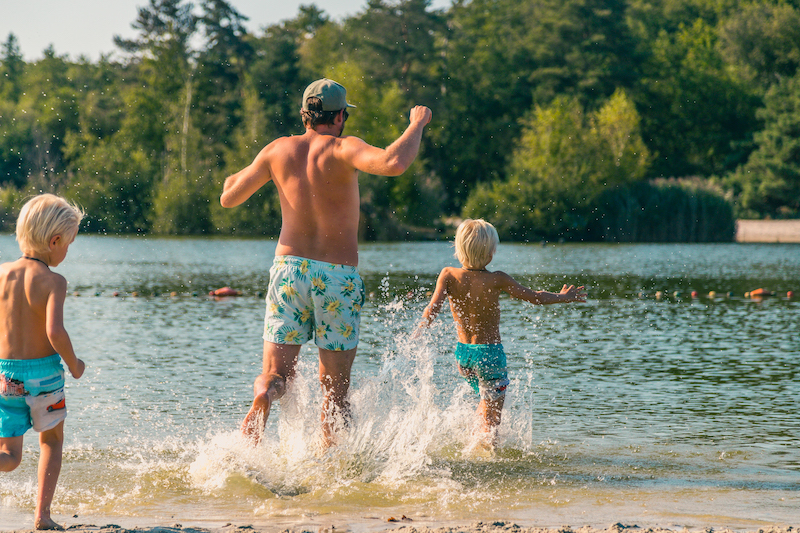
(312, 299)
(31, 395)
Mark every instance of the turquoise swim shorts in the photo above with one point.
(484, 368)
(312, 299)
(31, 395)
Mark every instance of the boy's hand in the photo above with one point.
(77, 369)
(572, 293)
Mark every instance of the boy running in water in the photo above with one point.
(474, 294)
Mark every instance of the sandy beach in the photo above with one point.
(408, 526)
(768, 231)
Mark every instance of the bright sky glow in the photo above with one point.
(87, 27)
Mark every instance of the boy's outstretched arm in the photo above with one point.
(56, 333)
(568, 293)
(435, 305)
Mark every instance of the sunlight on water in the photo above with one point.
(628, 407)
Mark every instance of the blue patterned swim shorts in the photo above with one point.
(31, 395)
(484, 368)
(312, 299)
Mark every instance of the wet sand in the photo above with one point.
(404, 525)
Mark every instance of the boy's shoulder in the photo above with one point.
(459, 274)
(40, 275)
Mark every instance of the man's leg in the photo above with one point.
(51, 443)
(334, 376)
(279, 364)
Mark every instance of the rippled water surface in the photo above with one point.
(676, 411)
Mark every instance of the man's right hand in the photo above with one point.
(421, 114)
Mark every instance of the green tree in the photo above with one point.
(763, 41)
(113, 182)
(563, 162)
(162, 58)
(260, 214)
(54, 105)
(503, 57)
(275, 75)
(11, 201)
(399, 42)
(768, 183)
(699, 117)
(16, 129)
(221, 67)
(12, 67)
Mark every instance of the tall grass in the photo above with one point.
(664, 210)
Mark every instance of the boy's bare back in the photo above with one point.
(27, 289)
(475, 301)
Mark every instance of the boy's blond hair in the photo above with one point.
(476, 243)
(42, 218)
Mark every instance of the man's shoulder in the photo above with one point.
(285, 141)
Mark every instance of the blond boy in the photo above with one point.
(474, 294)
(33, 342)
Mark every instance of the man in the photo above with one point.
(315, 290)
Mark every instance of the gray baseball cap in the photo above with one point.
(332, 94)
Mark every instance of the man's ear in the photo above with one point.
(55, 240)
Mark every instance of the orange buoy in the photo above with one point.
(759, 293)
(226, 291)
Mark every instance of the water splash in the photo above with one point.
(399, 433)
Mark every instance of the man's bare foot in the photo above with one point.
(47, 524)
(256, 418)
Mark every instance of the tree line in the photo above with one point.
(620, 120)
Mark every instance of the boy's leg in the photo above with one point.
(51, 443)
(10, 453)
(334, 376)
(278, 367)
(490, 412)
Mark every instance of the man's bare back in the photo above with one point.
(316, 175)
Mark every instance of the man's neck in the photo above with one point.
(324, 129)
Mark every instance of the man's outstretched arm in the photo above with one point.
(395, 158)
(241, 186)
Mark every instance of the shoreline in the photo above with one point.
(410, 526)
(403, 524)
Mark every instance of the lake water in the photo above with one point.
(673, 411)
